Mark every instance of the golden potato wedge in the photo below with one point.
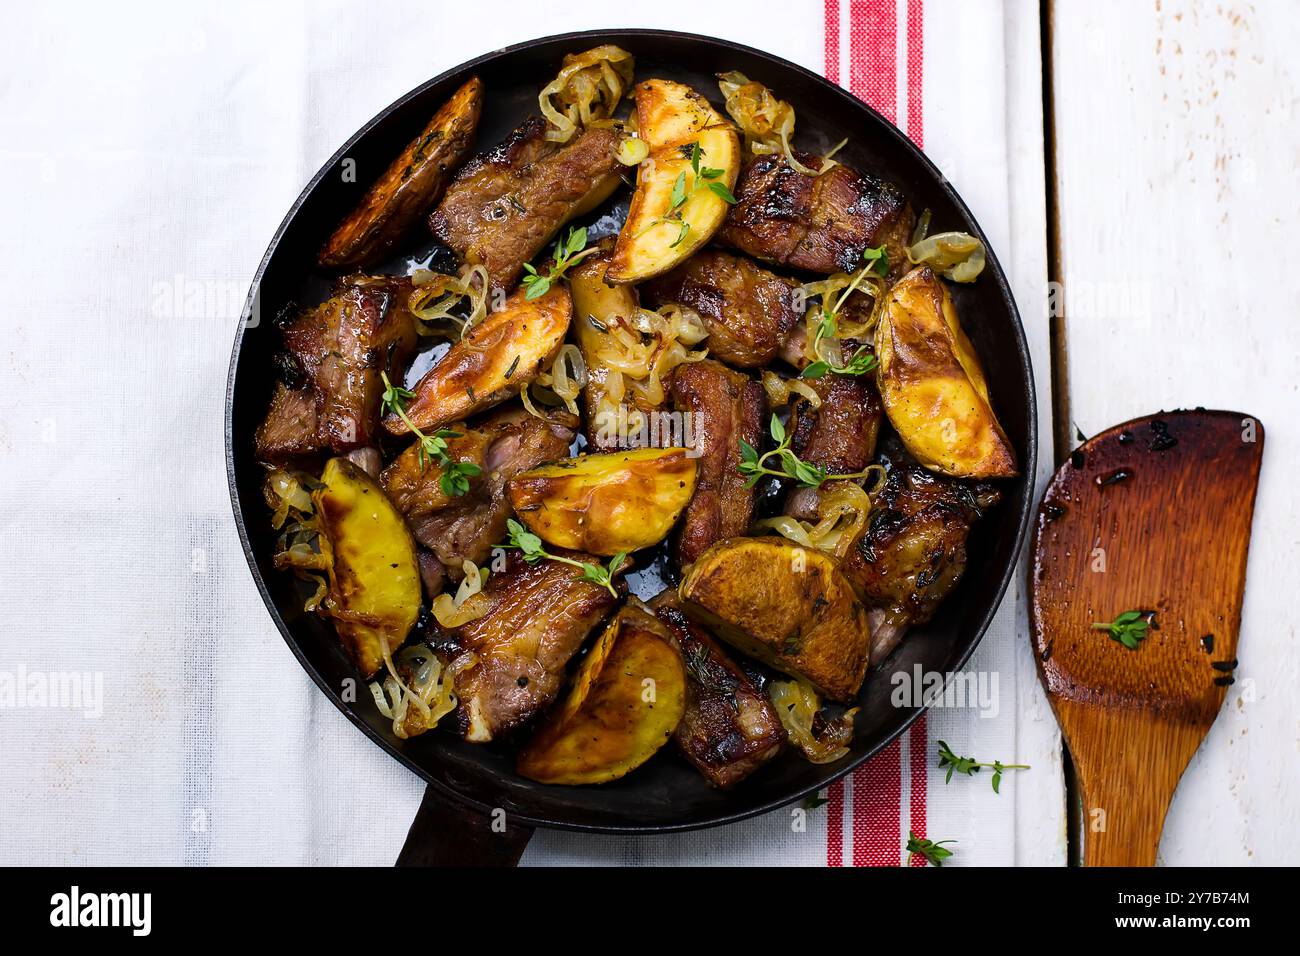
(661, 231)
(597, 308)
(606, 504)
(628, 697)
(787, 606)
(413, 182)
(492, 363)
(374, 580)
(932, 386)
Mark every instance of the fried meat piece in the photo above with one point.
(819, 223)
(328, 398)
(726, 407)
(748, 310)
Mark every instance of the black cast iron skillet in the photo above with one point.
(467, 781)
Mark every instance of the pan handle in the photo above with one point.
(445, 833)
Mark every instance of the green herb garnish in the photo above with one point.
(568, 252)
(703, 177)
(863, 359)
(933, 852)
(1130, 628)
(455, 474)
(969, 766)
(753, 466)
(530, 545)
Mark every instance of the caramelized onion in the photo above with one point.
(779, 390)
(468, 604)
(564, 381)
(587, 89)
(797, 704)
(958, 256)
(289, 495)
(842, 512)
(641, 351)
(766, 121)
(439, 298)
(418, 706)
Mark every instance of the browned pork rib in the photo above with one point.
(329, 395)
(747, 310)
(506, 204)
(730, 728)
(840, 436)
(725, 407)
(818, 223)
(538, 617)
(914, 550)
(466, 527)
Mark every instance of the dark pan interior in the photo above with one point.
(666, 793)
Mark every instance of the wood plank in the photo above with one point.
(1040, 795)
(1176, 178)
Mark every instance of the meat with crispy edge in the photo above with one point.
(913, 552)
(747, 310)
(839, 436)
(328, 398)
(819, 223)
(730, 728)
(538, 616)
(725, 407)
(466, 527)
(506, 204)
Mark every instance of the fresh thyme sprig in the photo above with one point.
(753, 466)
(703, 177)
(531, 547)
(455, 474)
(1129, 628)
(934, 853)
(568, 253)
(863, 359)
(969, 766)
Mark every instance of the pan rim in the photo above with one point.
(996, 273)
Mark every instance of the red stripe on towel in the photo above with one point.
(873, 77)
(835, 824)
(873, 68)
(919, 742)
(877, 797)
(832, 53)
(919, 777)
(915, 71)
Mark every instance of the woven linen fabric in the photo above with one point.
(152, 151)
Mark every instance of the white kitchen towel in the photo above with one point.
(155, 715)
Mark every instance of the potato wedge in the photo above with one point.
(660, 233)
(606, 504)
(787, 606)
(598, 308)
(374, 580)
(413, 182)
(628, 697)
(492, 363)
(932, 386)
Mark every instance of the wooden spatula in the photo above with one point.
(1151, 516)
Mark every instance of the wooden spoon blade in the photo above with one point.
(1153, 516)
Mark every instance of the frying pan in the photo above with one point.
(666, 794)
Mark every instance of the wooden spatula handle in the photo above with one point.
(1128, 767)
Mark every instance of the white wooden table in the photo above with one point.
(1177, 180)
